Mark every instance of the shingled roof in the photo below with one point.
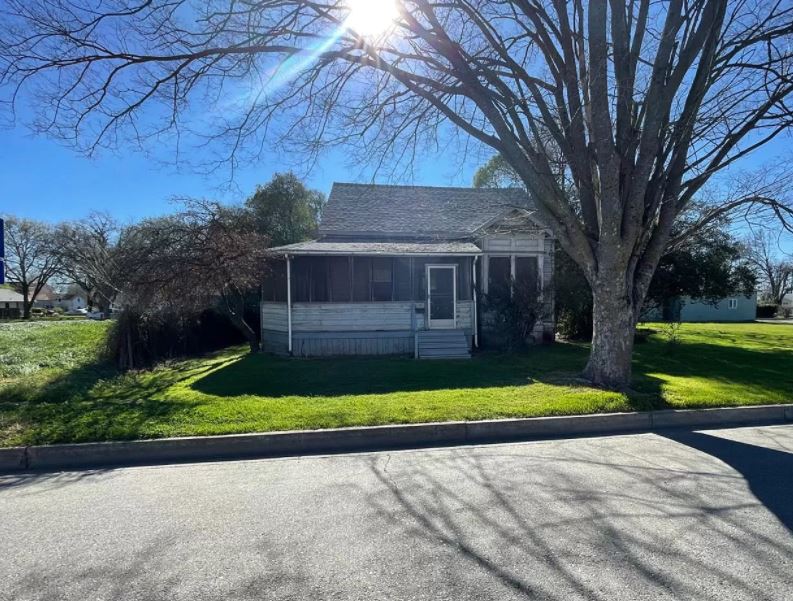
(415, 211)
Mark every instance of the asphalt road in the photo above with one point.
(701, 515)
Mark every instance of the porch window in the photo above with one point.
(527, 272)
(403, 290)
(499, 273)
(346, 279)
(382, 279)
(361, 267)
(340, 279)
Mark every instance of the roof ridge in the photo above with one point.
(425, 187)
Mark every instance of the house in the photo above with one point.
(401, 270)
(11, 304)
(72, 300)
(685, 309)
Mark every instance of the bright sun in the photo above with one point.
(371, 18)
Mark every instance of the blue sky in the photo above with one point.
(41, 179)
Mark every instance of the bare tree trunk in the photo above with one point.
(247, 331)
(614, 324)
(27, 304)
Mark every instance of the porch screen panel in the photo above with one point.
(361, 268)
(499, 273)
(382, 279)
(340, 284)
(403, 289)
(301, 279)
(319, 279)
(527, 272)
(274, 282)
(420, 278)
(464, 278)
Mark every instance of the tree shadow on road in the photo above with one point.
(570, 525)
(768, 472)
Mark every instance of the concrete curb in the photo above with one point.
(274, 444)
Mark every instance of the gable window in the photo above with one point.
(732, 303)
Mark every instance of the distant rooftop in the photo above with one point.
(7, 295)
(415, 211)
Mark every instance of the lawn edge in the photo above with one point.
(374, 438)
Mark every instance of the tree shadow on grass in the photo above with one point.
(93, 403)
(756, 370)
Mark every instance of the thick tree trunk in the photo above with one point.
(27, 304)
(614, 324)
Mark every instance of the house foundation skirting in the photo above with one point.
(328, 344)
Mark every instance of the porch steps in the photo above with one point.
(443, 344)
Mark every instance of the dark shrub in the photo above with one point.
(140, 341)
(766, 311)
(511, 312)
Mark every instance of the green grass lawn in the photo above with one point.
(55, 386)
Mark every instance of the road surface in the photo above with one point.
(698, 515)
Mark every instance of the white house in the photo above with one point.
(400, 269)
(11, 304)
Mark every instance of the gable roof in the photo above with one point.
(415, 211)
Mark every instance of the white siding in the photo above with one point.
(274, 317)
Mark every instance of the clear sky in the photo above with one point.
(42, 179)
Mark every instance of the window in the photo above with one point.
(499, 272)
(732, 303)
(527, 272)
(382, 279)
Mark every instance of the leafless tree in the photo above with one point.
(773, 268)
(30, 258)
(647, 101)
(89, 257)
(205, 256)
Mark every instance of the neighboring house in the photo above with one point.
(11, 304)
(48, 298)
(397, 269)
(733, 308)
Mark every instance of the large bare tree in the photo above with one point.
(89, 257)
(773, 268)
(31, 260)
(646, 101)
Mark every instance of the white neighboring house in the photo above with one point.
(68, 301)
(11, 304)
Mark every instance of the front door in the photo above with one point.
(441, 296)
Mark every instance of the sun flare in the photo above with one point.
(371, 18)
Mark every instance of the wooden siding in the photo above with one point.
(325, 344)
(323, 329)
(354, 317)
(274, 317)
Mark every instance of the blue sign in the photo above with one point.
(2, 254)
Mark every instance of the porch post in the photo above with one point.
(476, 311)
(289, 300)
